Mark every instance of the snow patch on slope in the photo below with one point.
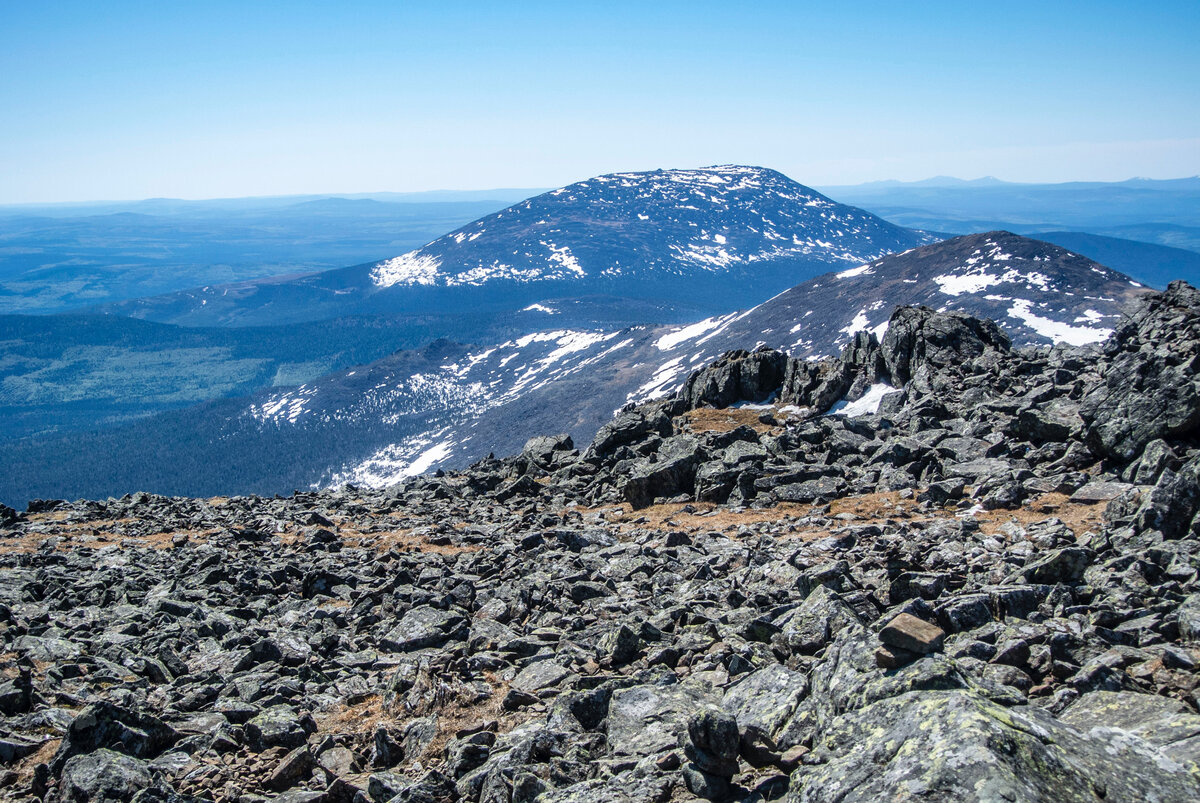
(410, 268)
(1057, 331)
(867, 405)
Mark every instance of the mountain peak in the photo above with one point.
(635, 226)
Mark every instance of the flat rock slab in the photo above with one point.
(915, 635)
(644, 720)
(1095, 492)
(540, 675)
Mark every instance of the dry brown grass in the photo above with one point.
(24, 768)
(702, 516)
(405, 541)
(880, 508)
(95, 535)
(453, 716)
(710, 419)
(1078, 517)
(360, 717)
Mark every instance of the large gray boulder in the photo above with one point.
(958, 745)
(648, 719)
(627, 428)
(106, 725)
(671, 471)
(736, 376)
(1162, 721)
(103, 776)
(1150, 389)
(919, 342)
(766, 700)
(816, 385)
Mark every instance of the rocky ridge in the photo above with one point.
(934, 567)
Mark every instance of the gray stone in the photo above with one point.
(103, 776)
(648, 719)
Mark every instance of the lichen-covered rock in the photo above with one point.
(103, 776)
(766, 700)
(671, 471)
(647, 719)
(957, 745)
(1164, 722)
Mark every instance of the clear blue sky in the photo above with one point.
(116, 100)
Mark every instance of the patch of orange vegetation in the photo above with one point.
(24, 768)
(711, 419)
(881, 508)
(360, 717)
(454, 715)
(94, 535)
(888, 507)
(405, 540)
(694, 516)
(1078, 517)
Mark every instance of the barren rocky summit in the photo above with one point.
(937, 568)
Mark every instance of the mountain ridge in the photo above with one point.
(374, 423)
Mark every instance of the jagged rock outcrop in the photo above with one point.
(957, 594)
(919, 343)
(737, 376)
(1150, 388)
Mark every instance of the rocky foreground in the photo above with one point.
(986, 589)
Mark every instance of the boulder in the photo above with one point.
(915, 635)
(629, 427)
(103, 776)
(672, 471)
(106, 725)
(765, 700)
(736, 376)
(1150, 388)
(423, 627)
(957, 745)
(648, 719)
(816, 385)
(920, 341)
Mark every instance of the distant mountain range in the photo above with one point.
(1163, 212)
(706, 240)
(447, 404)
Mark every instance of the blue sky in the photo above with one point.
(121, 100)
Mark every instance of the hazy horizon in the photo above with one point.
(416, 195)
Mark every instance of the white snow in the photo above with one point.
(859, 271)
(954, 285)
(410, 268)
(867, 405)
(540, 308)
(657, 386)
(563, 256)
(860, 322)
(1056, 331)
(673, 339)
(427, 458)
